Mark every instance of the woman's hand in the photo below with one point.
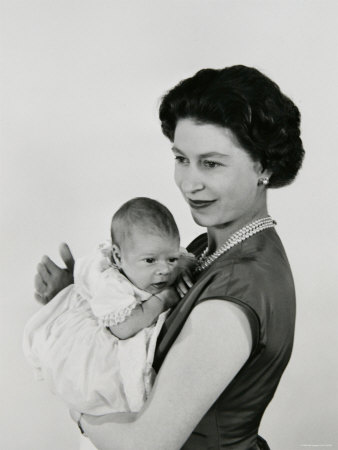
(50, 278)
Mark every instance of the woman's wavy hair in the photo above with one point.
(265, 121)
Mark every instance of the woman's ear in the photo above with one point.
(116, 255)
(266, 173)
(261, 171)
(263, 175)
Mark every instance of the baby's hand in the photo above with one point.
(169, 296)
(184, 267)
(183, 285)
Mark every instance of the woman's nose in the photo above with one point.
(191, 183)
(189, 180)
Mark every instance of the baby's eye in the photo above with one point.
(150, 260)
(173, 260)
(181, 159)
(211, 164)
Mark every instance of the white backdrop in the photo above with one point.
(80, 86)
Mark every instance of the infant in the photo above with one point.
(94, 342)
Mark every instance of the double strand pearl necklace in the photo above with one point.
(241, 235)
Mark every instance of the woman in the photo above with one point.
(224, 348)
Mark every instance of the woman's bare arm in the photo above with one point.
(212, 347)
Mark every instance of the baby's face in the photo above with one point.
(148, 260)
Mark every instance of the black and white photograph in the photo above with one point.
(169, 224)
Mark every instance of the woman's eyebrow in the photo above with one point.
(202, 155)
(213, 154)
(177, 150)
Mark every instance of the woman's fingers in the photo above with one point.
(40, 289)
(67, 256)
(50, 278)
(40, 298)
(43, 272)
(43, 280)
(39, 284)
(50, 265)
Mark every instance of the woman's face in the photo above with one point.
(217, 178)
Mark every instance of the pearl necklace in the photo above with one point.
(241, 235)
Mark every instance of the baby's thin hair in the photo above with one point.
(143, 213)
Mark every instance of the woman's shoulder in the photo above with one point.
(254, 270)
(198, 244)
(257, 263)
(261, 251)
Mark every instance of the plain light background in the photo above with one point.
(80, 86)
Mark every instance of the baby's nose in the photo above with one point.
(163, 269)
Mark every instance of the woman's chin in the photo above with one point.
(201, 221)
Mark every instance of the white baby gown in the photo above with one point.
(69, 346)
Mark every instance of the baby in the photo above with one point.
(94, 342)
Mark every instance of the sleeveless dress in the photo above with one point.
(256, 276)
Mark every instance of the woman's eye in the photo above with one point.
(150, 260)
(181, 159)
(211, 164)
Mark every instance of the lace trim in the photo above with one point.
(115, 318)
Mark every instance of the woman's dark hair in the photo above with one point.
(265, 121)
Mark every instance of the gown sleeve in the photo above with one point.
(111, 295)
(114, 298)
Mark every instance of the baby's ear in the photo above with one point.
(116, 255)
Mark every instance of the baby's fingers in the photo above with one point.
(187, 280)
(180, 292)
(184, 284)
(182, 288)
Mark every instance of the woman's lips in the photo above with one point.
(198, 204)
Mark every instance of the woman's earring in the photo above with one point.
(264, 181)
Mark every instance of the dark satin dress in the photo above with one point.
(256, 276)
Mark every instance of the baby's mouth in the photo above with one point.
(159, 285)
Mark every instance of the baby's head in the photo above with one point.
(146, 243)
